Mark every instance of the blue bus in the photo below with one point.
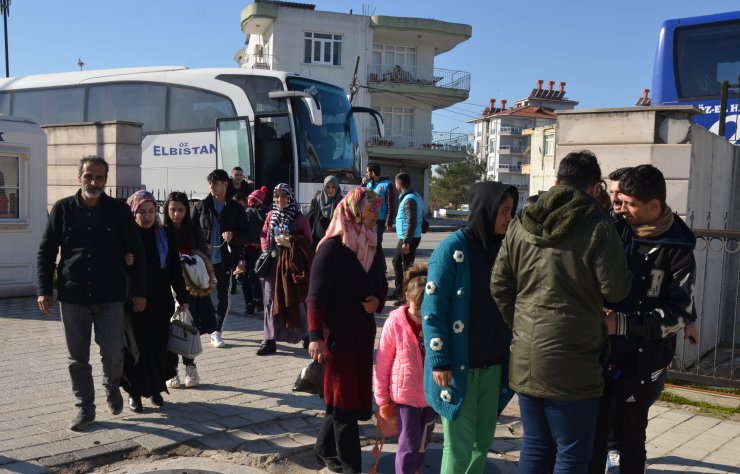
(694, 56)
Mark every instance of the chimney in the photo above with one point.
(503, 104)
(551, 83)
(539, 84)
(486, 111)
(562, 87)
(646, 94)
(493, 103)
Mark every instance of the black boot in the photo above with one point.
(267, 347)
(134, 403)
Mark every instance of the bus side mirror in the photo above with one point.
(313, 106)
(375, 114)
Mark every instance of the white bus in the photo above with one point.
(278, 126)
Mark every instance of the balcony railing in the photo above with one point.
(444, 78)
(510, 131)
(258, 61)
(507, 168)
(510, 150)
(438, 141)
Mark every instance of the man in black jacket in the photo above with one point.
(660, 254)
(94, 232)
(224, 225)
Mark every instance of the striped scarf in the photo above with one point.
(283, 217)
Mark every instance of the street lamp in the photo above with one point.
(451, 134)
(5, 8)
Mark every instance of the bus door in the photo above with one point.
(234, 145)
(273, 147)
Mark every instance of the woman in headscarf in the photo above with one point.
(146, 375)
(465, 336)
(347, 287)
(286, 234)
(322, 207)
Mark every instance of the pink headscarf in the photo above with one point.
(348, 221)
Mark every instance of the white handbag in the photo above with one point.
(184, 338)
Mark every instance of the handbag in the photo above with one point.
(184, 338)
(264, 262)
(311, 379)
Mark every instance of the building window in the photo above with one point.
(549, 145)
(399, 120)
(398, 62)
(9, 187)
(322, 48)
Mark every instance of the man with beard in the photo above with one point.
(94, 232)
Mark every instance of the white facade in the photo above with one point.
(22, 204)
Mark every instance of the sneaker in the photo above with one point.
(192, 379)
(83, 419)
(250, 309)
(267, 347)
(216, 340)
(115, 402)
(157, 400)
(175, 382)
(612, 461)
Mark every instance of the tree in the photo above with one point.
(452, 180)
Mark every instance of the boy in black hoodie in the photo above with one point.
(660, 254)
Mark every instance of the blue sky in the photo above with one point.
(602, 49)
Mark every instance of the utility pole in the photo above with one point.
(5, 8)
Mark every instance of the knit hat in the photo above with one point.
(259, 194)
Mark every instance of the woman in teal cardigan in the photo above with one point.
(467, 341)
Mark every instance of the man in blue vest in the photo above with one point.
(383, 186)
(408, 229)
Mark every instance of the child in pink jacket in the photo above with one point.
(399, 374)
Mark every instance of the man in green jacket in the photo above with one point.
(558, 263)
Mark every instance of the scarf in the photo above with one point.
(160, 238)
(327, 204)
(348, 222)
(659, 227)
(283, 217)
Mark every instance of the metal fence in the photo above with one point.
(716, 359)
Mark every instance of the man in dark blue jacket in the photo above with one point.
(94, 233)
(660, 254)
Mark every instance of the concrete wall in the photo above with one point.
(119, 143)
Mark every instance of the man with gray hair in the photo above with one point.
(94, 233)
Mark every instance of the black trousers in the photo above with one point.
(251, 287)
(223, 295)
(340, 439)
(624, 406)
(403, 261)
(379, 230)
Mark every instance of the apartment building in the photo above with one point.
(395, 74)
(502, 135)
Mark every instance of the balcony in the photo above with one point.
(507, 168)
(510, 150)
(439, 87)
(441, 147)
(257, 61)
(510, 131)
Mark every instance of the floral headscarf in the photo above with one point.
(348, 222)
(160, 238)
(283, 217)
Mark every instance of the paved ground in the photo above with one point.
(244, 417)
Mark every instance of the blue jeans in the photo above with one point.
(78, 321)
(557, 430)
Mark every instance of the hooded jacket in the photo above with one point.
(447, 301)
(556, 267)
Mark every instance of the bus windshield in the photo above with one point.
(331, 148)
(705, 56)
